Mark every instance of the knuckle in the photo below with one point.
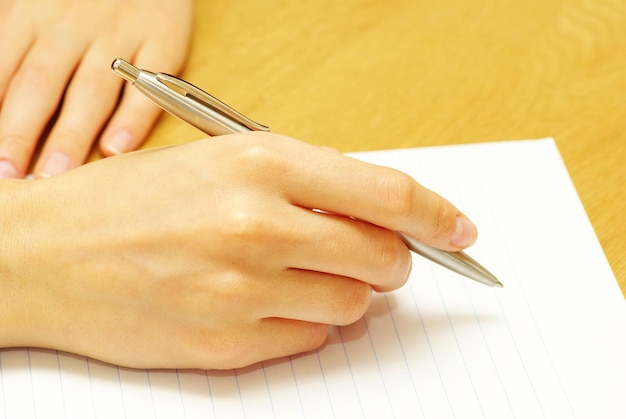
(389, 254)
(260, 157)
(226, 352)
(14, 143)
(389, 262)
(71, 136)
(36, 76)
(397, 190)
(442, 221)
(314, 335)
(253, 151)
(17, 150)
(354, 303)
(243, 225)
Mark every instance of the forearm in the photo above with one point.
(50, 239)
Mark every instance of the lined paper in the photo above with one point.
(551, 343)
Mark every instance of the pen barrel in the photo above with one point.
(195, 113)
(458, 262)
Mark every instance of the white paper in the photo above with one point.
(551, 343)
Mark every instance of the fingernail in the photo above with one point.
(465, 232)
(7, 170)
(56, 164)
(119, 142)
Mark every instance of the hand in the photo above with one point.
(209, 254)
(56, 58)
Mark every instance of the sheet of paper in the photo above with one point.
(551, 343)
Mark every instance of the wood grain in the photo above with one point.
(360, 75)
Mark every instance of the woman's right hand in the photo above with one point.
(214, 254)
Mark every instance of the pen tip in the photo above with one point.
(498, 284)
(125, 70)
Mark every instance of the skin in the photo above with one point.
(208, 255)
(55, 56)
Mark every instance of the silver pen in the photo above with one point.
(213, 117)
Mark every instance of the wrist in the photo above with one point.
(21, 293)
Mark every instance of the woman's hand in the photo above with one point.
(215, 254)
(55, 72)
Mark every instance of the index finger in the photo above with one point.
(381, 195)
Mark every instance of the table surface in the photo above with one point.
(363, 75)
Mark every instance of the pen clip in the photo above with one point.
(195, 93)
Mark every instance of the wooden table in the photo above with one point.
(359, 75)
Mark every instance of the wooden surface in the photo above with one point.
(361, 75)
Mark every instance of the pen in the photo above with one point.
(198, 108)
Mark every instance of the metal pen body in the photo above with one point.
(458, 262)
(196, 113)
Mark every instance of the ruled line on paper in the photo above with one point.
(487, 198)
(404, 354)
(343, 345)
(478, 190)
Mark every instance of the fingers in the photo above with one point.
(132, 121)
(45, 47)
(349, 248)
(130, 125)
(13, 43)
(14, 46)
(316, 297)
(380, 195)
(316, 178)
(136, 115)
(32, 97)
(246, 343)
(270, 234)
(303, 304)
(89, 101)
(282, 337)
